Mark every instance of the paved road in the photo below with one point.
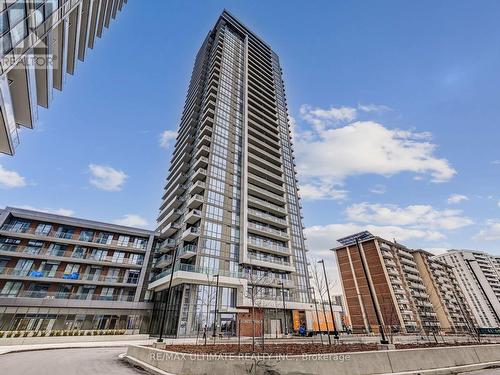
(492, 371)
(91, 361)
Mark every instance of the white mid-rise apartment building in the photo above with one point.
(478, 275)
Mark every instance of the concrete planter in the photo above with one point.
(360, 363)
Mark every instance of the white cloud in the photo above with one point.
(329, 156)
(498, 203)
(321, 238)
(417, 216)
(456, 198)
(373, 108)
(378, 189)
(11, 179)
(491, 232)
(132, 220)
(322, 191)
(166, 137)
(107, 178)
(495, 162)
(321, 118)
(57, 211)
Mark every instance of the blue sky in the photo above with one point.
(394, 105)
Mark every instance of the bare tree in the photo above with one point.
(258, 283)
(206, 301)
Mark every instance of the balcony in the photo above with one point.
(193, 216)
(72, 296)
(202, 151)
(268, 231)
(268, 206)
(64, 237)
(167, 245)
(170, 229)
(268, 246)
(171, 216)
(190, 234)
(408, 261)
(266, 184)
(204, 141)
(201, 162)
(266, 194)
(182, 267)
(163, 261)
(197, 187)
(199, 174)
(187, 251)
(265, 217)
(195, 201)
(58, 276)
(254, 159)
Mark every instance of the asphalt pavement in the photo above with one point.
(77, 361)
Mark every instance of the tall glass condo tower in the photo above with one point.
(232, 247)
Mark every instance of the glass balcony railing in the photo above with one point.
(67, 276)
(65, 295)
(95, 239)
(72, 256)
(198, 269)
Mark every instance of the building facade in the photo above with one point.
(402, 296)
(40, 43)
(478, 275)
(64, 273)
(448, 301)
(230, 213)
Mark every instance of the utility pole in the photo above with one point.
(169, 292)
(372, 295)
(216, 305)
(285, 331)
(335, 332)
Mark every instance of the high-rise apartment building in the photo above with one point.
(448, 301)
(388, 271)
(64, 273)
(40, 43)
(479, 279)
(230, 213)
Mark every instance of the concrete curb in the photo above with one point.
(143, 365)
(450, 370)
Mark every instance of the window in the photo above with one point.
(123, 240)
(104, 238)
(23, 266)
(65, 232)
(19, 226)
(11, 289)
(71, 269)
(98, 254)
(133, 277)
(9, 244)
(140, 243)
(57, 250)
(86, 235)
(118, 256)
(107, 293)
(136, 259)
(34, 247)
(113, 274)
(79, 252)
(43, 229)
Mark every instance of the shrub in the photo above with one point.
(17, 334)
(1, 334)
(9, 334)
(89, 333)
(43, 333)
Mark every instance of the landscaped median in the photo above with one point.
(339, 359)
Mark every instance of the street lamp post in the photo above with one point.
(377, 313)
(317, 315)
(169, 292)
(335, 332)
(216, 305)
(285, 331)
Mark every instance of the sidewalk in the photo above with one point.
(68, 345)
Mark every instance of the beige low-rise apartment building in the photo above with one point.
(448, 301)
